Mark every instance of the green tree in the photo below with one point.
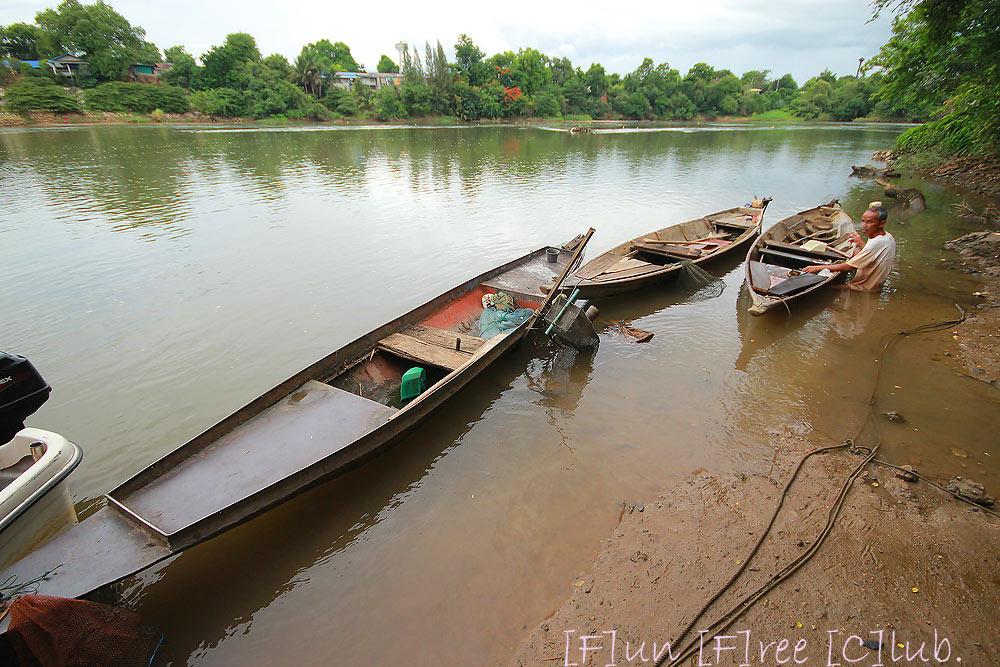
(388, 104)
(221, 63)
(530, 71)
(945, 55)
(787, 82)
(103, 36)
(440, 80)
(184, 71)
(20, 41)
(340, 101)
(755, 78)
(337, 54)
(597, 81)
(385, 64)
(469, 62)
(310, 69)
(546, 104)
(137, 97)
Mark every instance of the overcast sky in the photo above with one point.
(802, 37)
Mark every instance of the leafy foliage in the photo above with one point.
(223, 63)
(20, 41)
(39, 94)
(389, 104)
(216, 102)
(185, 70)
(103, 36)
(137, 97)
(945, 54)
(385, 64)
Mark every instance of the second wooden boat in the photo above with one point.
(659, 255)
(774, 264)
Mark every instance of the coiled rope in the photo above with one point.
(747, 602)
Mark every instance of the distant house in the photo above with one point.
(68, 65)
(374, 80)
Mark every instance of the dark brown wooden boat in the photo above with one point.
(658, 256)
(322, 421)
(773, 267)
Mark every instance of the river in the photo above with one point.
(160, 277)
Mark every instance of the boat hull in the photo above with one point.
(605, 286)
(36, 506)
(300, 433)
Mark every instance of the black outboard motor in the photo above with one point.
(22, 391)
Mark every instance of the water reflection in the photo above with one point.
(274, 247)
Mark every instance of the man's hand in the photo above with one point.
(813, 269)
(856, 239)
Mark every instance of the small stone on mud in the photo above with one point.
(907, 473)
(894, 416)
(970, 490)
(801, 543)
(959, 452)
(871, 644)
(639, 507)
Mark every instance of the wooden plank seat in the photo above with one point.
(431, 346)
(791, 247)
(797, 256)
(665, 250)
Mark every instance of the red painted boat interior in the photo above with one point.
(378, 378)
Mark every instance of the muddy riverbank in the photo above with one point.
(979, 340)
(906, 567)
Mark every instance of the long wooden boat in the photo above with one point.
(773, 267)
(659, 255)
(322, 421)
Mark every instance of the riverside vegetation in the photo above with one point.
(940, 68)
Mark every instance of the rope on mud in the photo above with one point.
(987, 510)
(744, 605)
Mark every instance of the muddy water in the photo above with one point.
(162, 277)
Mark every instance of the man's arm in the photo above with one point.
(859, 243)
(816, 268)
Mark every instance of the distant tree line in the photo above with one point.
(235, 80)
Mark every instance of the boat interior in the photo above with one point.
(432, 348)
(668, 247)
(818, 236)
(336, 401)
(14, 461)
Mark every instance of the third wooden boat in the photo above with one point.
(774, 264)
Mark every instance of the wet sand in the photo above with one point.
(904, 558)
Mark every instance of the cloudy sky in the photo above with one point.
(802, 37)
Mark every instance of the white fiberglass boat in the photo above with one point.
(35, 504)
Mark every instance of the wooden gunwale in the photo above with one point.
(639, 277)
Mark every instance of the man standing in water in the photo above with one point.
(872, 258)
